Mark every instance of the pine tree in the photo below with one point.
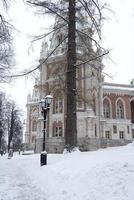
(72, 15)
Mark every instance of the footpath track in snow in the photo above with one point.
(14, 182)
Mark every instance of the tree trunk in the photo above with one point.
(71, 118)
(0, 139)
(11, 130)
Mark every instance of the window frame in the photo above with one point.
(107, 134)
(120, 109)
(107, 108)
(121, 135)
(57, 129)
(58, 105)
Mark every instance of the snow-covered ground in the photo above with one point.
(106, 174)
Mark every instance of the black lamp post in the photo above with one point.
(45, 106)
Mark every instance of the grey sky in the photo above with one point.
(118, 33)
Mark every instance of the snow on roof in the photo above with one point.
(112, 86)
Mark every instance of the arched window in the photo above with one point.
(132, 110)
(34, 126)
(120, 109)
(106, 109)
(34, 110)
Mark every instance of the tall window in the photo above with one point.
(132, 111)
(128, 129)
(34, 126)
(58, 105)
(80, 87)
(132, 133)
(106, 108)
(120, 110)
(57, 129)
(107, 134)
(95, 130)
(121, 134)
(94, 103)
(114, 129)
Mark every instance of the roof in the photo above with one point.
(118, 88)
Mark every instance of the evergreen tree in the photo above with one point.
(72, 15)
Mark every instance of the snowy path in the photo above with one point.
(106, 174)
(14, 183)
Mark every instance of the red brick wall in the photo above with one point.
(125, 98)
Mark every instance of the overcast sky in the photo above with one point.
(118, 36)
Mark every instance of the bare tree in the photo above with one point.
(6, 50)
(10, 123)
(2, 119)
(15, 126)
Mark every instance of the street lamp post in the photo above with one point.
(45, 106)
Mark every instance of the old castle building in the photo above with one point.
(116, 124)
(105, 112)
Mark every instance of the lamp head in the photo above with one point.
(48, 99)
(42, 103)
(45, 103)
